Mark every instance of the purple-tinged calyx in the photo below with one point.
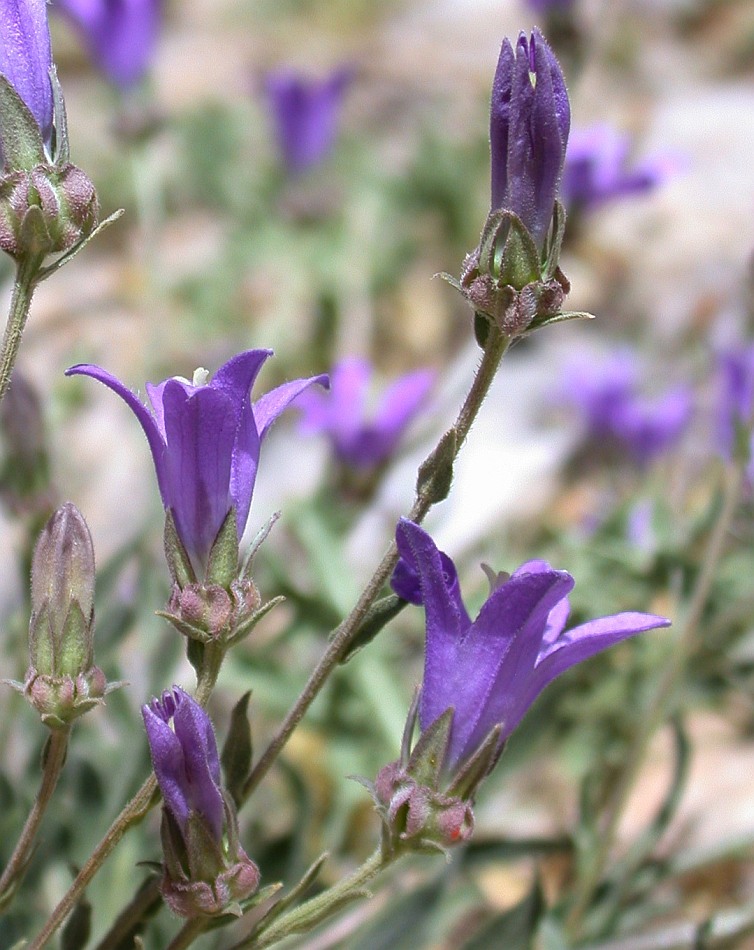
(120, 35)
(490, 670)
(364, 440)
(305, 114)
(205, 438)
(206, 872)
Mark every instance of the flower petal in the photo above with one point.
(268, 407)
(168, 764)
(193, 729)
(150, 426)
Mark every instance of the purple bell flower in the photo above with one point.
(363, 440)
(120, 35)
(305, 114)
(206, 871)
(529, 121)
(26, 58)
(490, 670)
(205, 439)
(597, 168)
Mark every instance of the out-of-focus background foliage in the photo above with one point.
(220, 250)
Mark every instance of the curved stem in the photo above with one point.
(496, 346)
(312, 912)
(133, 812)
(662, 699)
(20, 303)
(54, 760)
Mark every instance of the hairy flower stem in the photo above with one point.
(303, 918)
(495, 348)
(23, 289)
(133, 812)
(54, 760)
(662, 701)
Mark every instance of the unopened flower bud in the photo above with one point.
(46, 210)
(62, 681)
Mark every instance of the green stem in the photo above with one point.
(307, 915)
(55, 754)
(341, 640)
(20, 303)
(132, 813)
(188, 933)
(662, 699)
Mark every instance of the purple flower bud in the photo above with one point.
(489, 671)
(597, 168)
(205, 871)
(305, 114)
(529, 121)
(119, 34)
(205, 439)
(735, 395)
(26, 58)
(360, 439)
(185, 759)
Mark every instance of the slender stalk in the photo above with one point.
(662, 699)
(145, 901)
(132, 813)
(55, 754)
(312, 912)
(493, 353)
(188, 933)
(20, 303)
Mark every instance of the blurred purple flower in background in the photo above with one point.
(305, 114)
(26, 58)
(606, 395)
(491, 670)
(598, 170)
(205, 871)
(735, 395)
(529, 121)
(362, 440)
(120, 35)
(548, 6)
(205, 439)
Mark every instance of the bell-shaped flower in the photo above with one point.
(26, 58)
(305, 114)
(489, 671)
(120, 35)
(205, 439)
(530, 117)
(362, 439)
(206, 871)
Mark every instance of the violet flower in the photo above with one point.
(529, 121)
(205, 439)
(490, 670)
(360, 439)
(26, 58)
(598, 170)
(607, 394)
(305, 114)
(120, 35)
(206, 871)
(549, 6)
